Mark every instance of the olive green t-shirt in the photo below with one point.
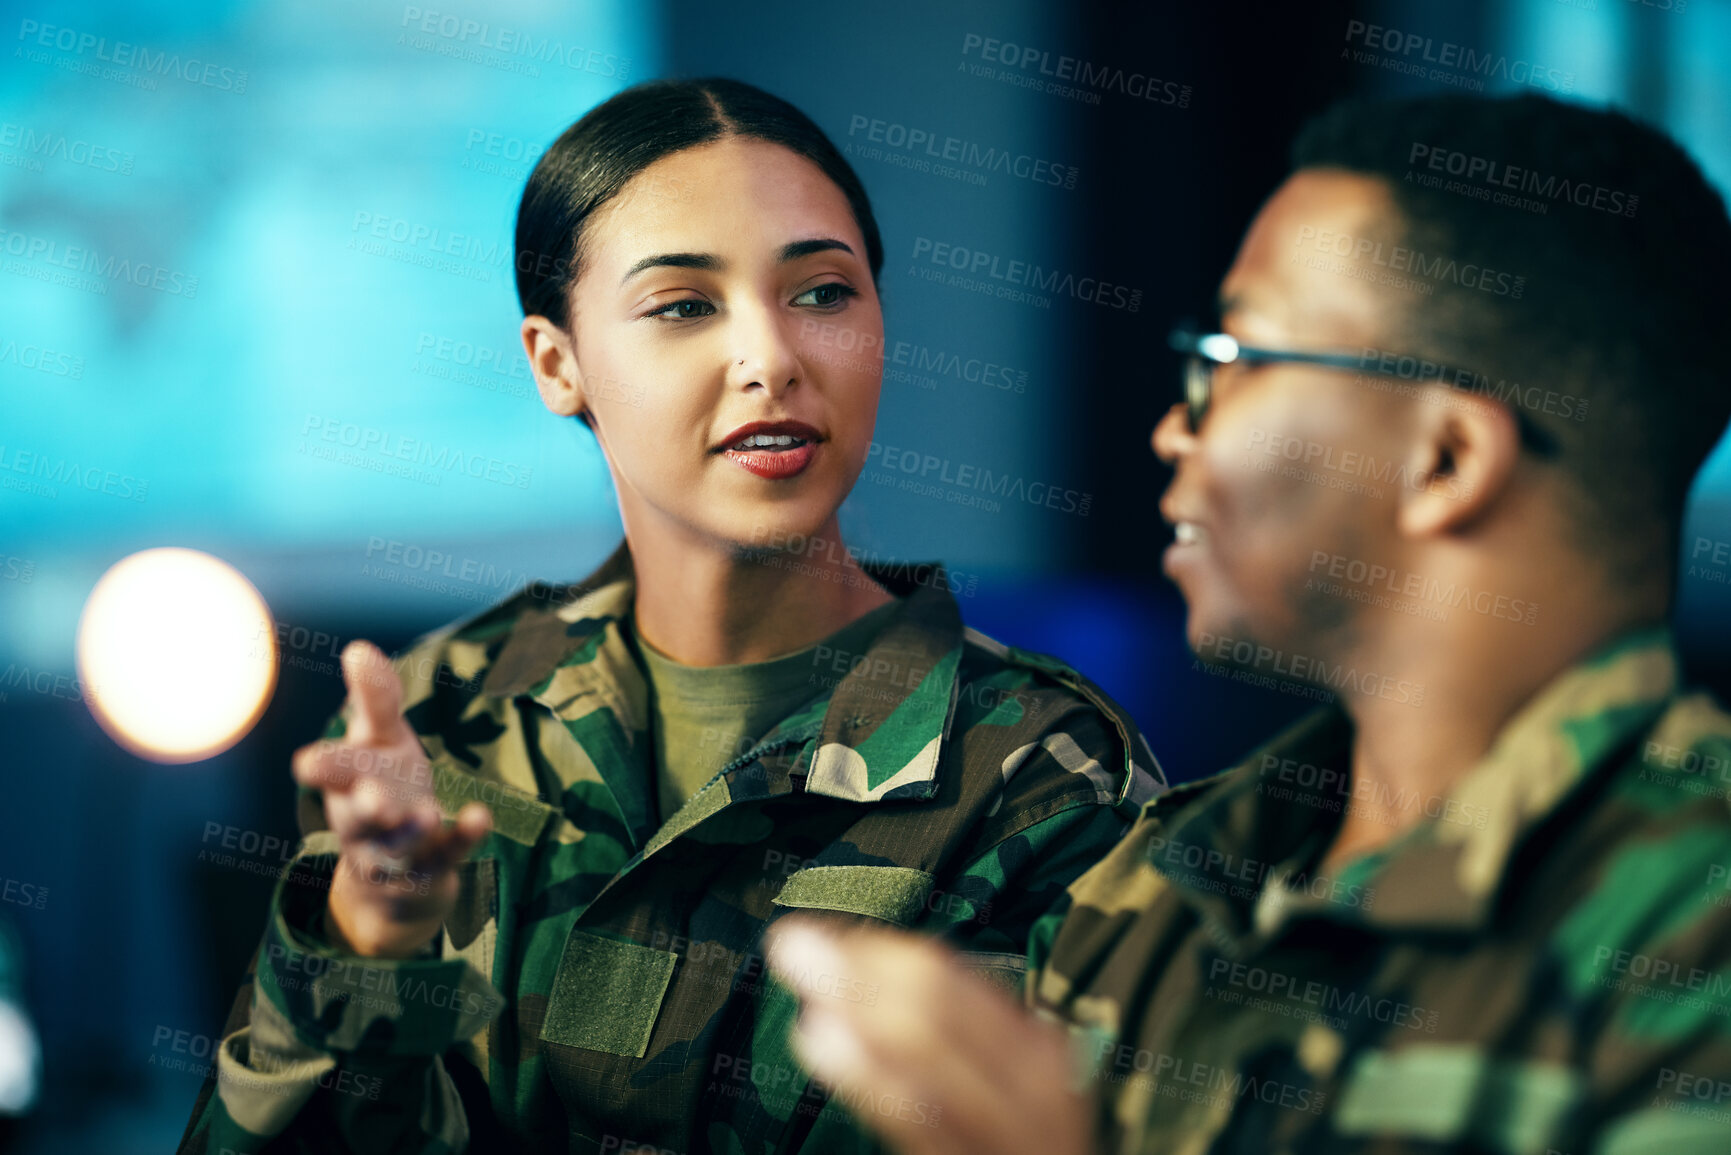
(703, 717)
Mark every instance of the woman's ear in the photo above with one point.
(553, 360)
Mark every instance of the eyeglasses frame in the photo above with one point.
(1199, 383)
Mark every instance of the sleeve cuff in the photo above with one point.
(343, 1002)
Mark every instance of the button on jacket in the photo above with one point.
(600, 985)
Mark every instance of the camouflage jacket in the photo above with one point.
(938, 780)
(1542, 965)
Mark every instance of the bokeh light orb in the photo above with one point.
(176, 654)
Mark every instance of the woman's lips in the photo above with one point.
(774, 464)
(773, 450)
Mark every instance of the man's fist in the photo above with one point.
(931, 1058)
(396, 880)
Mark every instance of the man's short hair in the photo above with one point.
(1625, 251)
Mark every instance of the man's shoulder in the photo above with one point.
(1691, 740)
(1673, 783)
(1133, 867)
(1656, 849)
(1119, 894)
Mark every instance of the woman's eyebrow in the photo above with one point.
(798, 249)
(675, 261)
(789, 252)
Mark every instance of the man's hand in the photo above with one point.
(396, 880)
(892, 1020)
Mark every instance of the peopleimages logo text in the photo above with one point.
(978, 263)
(1083, 73)
(1551, 187)
(85, 260)
(366, 440)
(1502, 390)
(514, 42)
(1453, 62)
(933, 145)
(124, 55)
(971, 477)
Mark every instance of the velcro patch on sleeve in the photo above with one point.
(607, 995)
(893, 893)
(1454, 1093)
(1002, 969)
(517, 815)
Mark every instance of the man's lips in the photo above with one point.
(1185, 530)
(1188, 548)
(1189, 538)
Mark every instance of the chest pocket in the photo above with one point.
(607, 994)
(1457, 1094)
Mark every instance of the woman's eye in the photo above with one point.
(685, 309)
(826, 296)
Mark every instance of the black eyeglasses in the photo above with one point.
(1205, 352)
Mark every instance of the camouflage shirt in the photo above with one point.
(1542, 965)
(600, 986)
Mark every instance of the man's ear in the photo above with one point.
(553, 361)
(1461, 464)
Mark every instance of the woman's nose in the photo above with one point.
(763, 355)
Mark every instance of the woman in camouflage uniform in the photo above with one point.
(582, 807)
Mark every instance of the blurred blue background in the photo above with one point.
(230, 227)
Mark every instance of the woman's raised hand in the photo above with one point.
(396, 877)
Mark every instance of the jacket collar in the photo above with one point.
(1448, 872)
(879, 717)
(1232, 844)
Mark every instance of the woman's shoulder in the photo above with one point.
(462, 654)
(1051, 715)
(1038, 685)
(453, 701)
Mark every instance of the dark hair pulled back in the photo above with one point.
(598, 155)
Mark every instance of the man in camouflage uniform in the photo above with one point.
(1480, 903)
(939, 781)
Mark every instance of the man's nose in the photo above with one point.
(1172, 436)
